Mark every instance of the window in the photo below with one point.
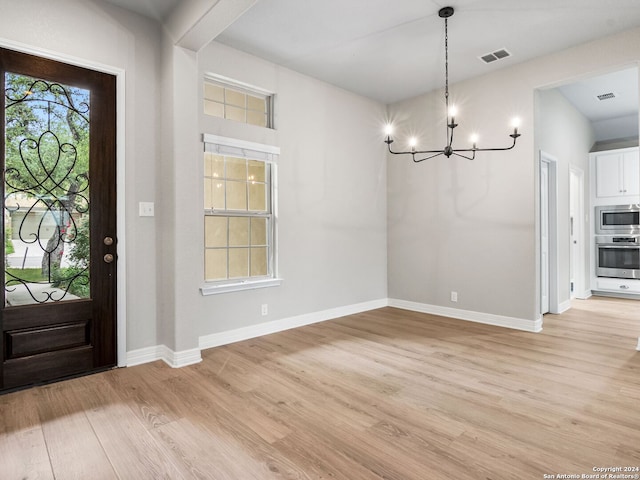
(239, 103)
(239, 214)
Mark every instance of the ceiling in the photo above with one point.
(157, 9)
(616, 115)
(393, 50)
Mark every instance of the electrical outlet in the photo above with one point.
(265, 309)
(454, 296)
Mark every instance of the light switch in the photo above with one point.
(146, 209)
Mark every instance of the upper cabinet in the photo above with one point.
(617, 176)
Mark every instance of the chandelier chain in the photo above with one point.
(446, 64)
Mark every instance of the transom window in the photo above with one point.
(237, 103)
(239, 220)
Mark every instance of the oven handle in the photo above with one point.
(617, 246)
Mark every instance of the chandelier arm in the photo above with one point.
(472, 157)
(497, 149)
(450, 128)
(416, 152)
(426, 158)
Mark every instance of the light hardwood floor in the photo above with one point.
(386, 394)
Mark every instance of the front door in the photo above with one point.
(57, 138)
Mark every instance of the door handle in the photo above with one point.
(108, 258)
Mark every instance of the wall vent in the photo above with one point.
(606, 96)
(497, 55)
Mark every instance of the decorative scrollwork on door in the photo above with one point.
(46, 191)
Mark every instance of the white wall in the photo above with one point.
(471, 226)
(331, 197)
(93, 33)
(567, 135)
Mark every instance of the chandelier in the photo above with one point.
(448, 150)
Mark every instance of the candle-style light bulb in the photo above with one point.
(388, 130)
(413, 141)
(515, 123)
(453, 111)
(474, 139)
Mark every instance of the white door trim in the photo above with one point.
(121, 341)
(552, 164)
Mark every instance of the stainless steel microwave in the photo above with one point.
(618, 219)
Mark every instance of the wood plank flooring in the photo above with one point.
(386, 394)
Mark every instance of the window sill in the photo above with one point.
(239, 286)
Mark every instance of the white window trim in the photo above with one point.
(267, 153)
(215, 289)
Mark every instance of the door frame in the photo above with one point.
(577, 198)
(552, 196)
(121, 292)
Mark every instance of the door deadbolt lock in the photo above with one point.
(108, 241)
(108, 258)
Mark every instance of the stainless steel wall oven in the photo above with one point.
(618, 256)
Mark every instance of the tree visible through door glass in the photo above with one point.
(46, 191)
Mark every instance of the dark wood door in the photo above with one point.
(58, 313)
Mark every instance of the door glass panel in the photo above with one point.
(46, 191)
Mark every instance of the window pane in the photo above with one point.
(257, 171)
(258, 231)
(213, 108)
(207, 164)
(215, 232)
(236, 195)
(236, 168)
(217, 166)
(215, 261)
(213, 92)
(256, 118)
(235, 103)
(258, 197)
(238, 262)
(235, 113)
(258, 262)
(208, 197)
(217, 195)
(256, 103)
(235, 98)
(238, 232)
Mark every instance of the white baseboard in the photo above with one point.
(164, 353)
(478, 317)
(253, 331)
(144, 355)
(564, 306)
(638, 347)
(189, 357)
(585, 295)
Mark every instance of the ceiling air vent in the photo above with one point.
(497, 55)
(606, 96)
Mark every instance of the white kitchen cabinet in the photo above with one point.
(618, 285)
(617, 174)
